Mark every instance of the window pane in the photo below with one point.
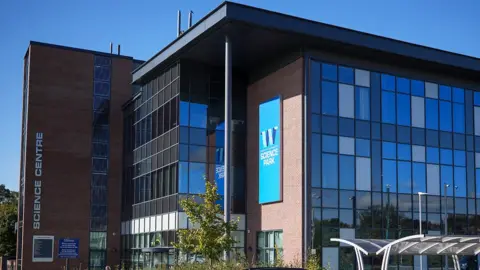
(329, 125)
(389, 175)
(347, 146)
(345, 75)
(347, 168)
(197, 172)
(419, 178)
(403, 85)
(433, 179)
(363, 147)
(476, 98)
(183, 177)
(477, 119)
(315, 87)
(389, 150)
(347, 127)
(446, 176)
(184, 113)
(198, 115)
(362, 77)
(316, 160)
(431, 90)
(330, 198)
(330, 144)
(388, 82)
(403, 109)
(388, 107)
(346, 100)
(404, 152)
(432, 113)
(363, 174)
(329, 98)
(418, 153)
(329, 72)
(329, 171)
(460, 179)
(418, 112)
(446, 116)
(477, 174)
(459, 158)
(362, 104)
(418, 88)
(458, 118)
(445, 92)
(433, 155)
(404, 177)
(446, 156)
(458, 95)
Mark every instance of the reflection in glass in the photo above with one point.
(362, 147)
(330, 198)
(329, 98)
(404, 177)
(345, 75)
(458, 118)
(315, 160)
(418, 88)
(404, 151)
(388, 107)
(432, 113)
(197, 172)
(403, 110)
(403, 85)
(418, 111)
(346, 101)
(419, 177)
(433, 179)
(433, 155)
(460, 180)
(389, 150)
(347, 168)
(362, 103)
(329, 171)
(388, 82)
(446, 116)
(347, 146)
(446, 156)
(198, 115)
(329, 72)
(445, 92)
(363, 174)
(389, 175)
(330, 144)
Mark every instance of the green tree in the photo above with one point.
(211, 235)
(8, 239)
(7, 196)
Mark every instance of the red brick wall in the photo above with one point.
(60, 106)
(286, 215)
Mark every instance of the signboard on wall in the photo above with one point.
(42, 248)
(68, 248)
(270, 155)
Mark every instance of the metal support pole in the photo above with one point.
(445, 186)
(228, 133)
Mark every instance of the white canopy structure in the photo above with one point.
(451, 245)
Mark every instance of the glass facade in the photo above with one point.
(377, 139)
(100, 160)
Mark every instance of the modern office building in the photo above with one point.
(71, 155)
(334, 133)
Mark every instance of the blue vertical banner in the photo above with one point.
(270, 140)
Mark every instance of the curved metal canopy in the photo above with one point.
(417, 245)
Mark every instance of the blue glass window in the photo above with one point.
(404, 177)
(347, 172)
(476, 98)
(198, 115)
(183, 177)
(419, 177)
(418, 88)
(388, 82)
(446, 116)
(197, 172)
(433, 155)
(363, 147)
(445, 92)
(458, 118)
(362, 103)
(329, 72)
(316, 160)
(330, 144)
(389, 150)
(404, 152)
(329, 171)
(315, 87)
(329, 98)
(184, 113)
(446, 176)
(460, 178)
(388, 107)
(477, 174)
(330, 125)
(389, 175)
(403, 110)
(458, 95)
(403, 85)
(446, 156)
(345, 75)
(432, 113)
(459, 158)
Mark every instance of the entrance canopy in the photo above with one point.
(451, 245)
(418, 245)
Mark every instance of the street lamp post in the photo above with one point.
(420, 219)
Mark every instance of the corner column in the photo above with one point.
(228, 133)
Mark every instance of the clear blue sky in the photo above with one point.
(144, 27)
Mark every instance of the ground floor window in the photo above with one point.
(269, 246)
